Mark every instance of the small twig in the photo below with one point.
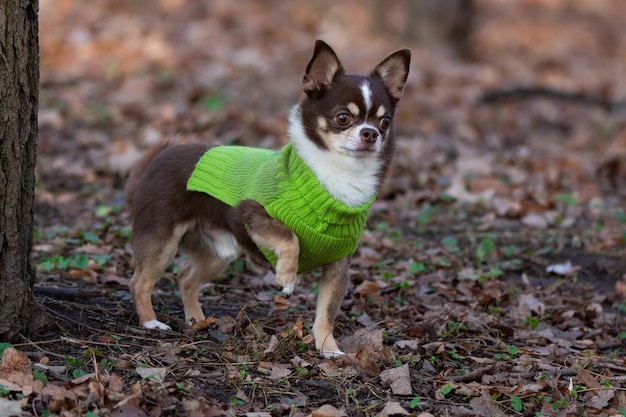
(473, 375)
(47, 352)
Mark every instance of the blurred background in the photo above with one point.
(515, 105)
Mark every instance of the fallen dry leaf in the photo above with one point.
(14, 362)
(327, 411)
(398, 379)
(204, 324)
(393, 409)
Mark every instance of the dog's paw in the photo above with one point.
(288, 289)
(329, 354)
(155, 324)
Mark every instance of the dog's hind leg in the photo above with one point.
(331, 290)
(197, 272)
(207, 259)
(152, 256)
(275, 236)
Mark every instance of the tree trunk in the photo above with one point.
(19, 83)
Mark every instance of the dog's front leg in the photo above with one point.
(331, 290)
(275, 236)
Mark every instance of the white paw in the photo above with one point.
(288, 289)
(331, 353)
(155, 324)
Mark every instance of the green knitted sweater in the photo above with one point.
(289, 191)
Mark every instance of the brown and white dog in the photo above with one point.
(341, 130)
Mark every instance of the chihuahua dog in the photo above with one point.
(295, 209)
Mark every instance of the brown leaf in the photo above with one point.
(280, 371)
(484, 406)
(297, 328)
(86, 275)
(281, 303)
(393, 409)
(589, 380)
(272, 345)
(56, 396)
(204, 324)
(107, 279)
(327, 411)
(367, 289)
(601, 400)
(332, 369)
(398, 379)
(363, 338)
(14, 361)
(116, 384)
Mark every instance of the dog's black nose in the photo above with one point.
(369, 135)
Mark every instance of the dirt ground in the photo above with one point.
(490, 279)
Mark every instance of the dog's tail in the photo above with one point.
(136, 174)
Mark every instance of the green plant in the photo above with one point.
(63, 263)
(446, 389)
(510, 251)
(415, 402)
(77, 373)
(108, 365)
(416, 268)
(567, 199)
(183, 388)
(4, 346)
(243, 371)
(453, 328)
(442, 261)
(513, 350)
(434, 361)
(351, 394)
(485, 247)
(236, 401)
(454, 355)
(400, 286)
(213, 101)
(533, 322)
(516, 403)
(451, 243)
(40, 376)
(491, 273)
(575, 389)
(425, 214)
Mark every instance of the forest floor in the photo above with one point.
(490, 279)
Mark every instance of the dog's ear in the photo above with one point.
(322, 70)
(393, 72)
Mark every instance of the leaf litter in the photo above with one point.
(490, 278)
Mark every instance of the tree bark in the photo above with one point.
(19, 84)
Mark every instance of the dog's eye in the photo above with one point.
(343, 119)
(385, 123)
